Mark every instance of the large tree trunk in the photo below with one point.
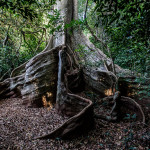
(37, 78)
(55, 76)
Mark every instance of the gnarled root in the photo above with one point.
(134, 107)
(121, 106)
(38, 80)
(79, 123)
(78, 108)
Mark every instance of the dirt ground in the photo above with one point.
(19, 126)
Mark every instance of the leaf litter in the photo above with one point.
(19, 125)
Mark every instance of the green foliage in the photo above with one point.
(17, 7)
(75, 24)
(81, 50)
(10, 60)
(83, 54)
(26, 8)
(54, 22)
(24, 30)
(127, 26)
(129, 116)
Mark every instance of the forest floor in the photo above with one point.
(19, 126)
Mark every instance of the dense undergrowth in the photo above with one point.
(122, 26)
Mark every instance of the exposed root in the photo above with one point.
(133, 105)
(74, 57)
(79, 123)
(19, 70)
(29, 80)
(82, 118)
(70, 80)
(4, 88)
(80, 109)
(121, 106)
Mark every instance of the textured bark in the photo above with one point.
(55, 76)
(100, 81)
(38, 81)
(78, 108)
(130, 86)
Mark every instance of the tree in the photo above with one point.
(56, 76)
(127, 26)
(24, 32)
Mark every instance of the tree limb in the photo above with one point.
(98, 39)
(40, 41)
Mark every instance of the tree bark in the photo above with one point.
(55, 76)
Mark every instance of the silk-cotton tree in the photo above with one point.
(58, 74)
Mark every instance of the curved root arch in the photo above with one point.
(69, 81)
(42, 78)
(78, 108)
(132, 105)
